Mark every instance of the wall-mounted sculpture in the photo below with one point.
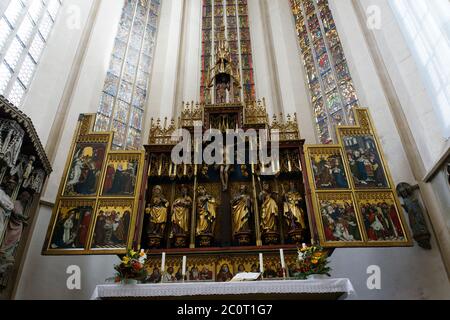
(415, 213)
(24, 168)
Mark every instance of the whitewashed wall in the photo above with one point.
(407, 273)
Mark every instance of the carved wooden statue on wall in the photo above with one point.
(415, 213)
(23, 170)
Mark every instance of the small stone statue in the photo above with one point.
(415, 213)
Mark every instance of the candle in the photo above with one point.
(283, 263)
(183, 270)
(185, 170)
(289, 165)
(163, 262)
(261, 263)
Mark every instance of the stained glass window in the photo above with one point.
(124, 95)
(233, 15)
(331, 87)
(24, 29)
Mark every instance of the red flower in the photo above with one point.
(137, 266)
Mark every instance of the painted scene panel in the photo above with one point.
(339, 220)
(112, 226)
(328, 168)
(84, 172)
(365, 162)
(381, 217)
(71, 226)
(121, 176)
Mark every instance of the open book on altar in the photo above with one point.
(246, 276)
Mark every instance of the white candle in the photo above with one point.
(183, 270)
(163, 262)
(283, 263)
(261, 263)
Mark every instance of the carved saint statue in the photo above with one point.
(6, 205)
(157, 209)
(15, 226)
(415, 213)
(241, 207)
(181, 210)
(292, 209)
(269, 209)
(206, 212)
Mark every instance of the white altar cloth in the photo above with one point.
(216, 289)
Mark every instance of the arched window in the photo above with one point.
(24, 29)
(124, 95)
(331, 87)
(426, 27)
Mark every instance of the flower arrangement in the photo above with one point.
(132, 267)
(312, 260)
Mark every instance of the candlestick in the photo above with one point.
(163, 262)
(183, 272)
(261, 264)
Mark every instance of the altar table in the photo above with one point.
(324, 289)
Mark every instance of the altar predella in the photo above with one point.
(222, 215)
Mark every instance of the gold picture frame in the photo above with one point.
(82, 178)
(70, 227)
(362, 132)
(113, 226)
(339, 223)
(327, 167)
(85, 137)
(382, 218)
(121, 175)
